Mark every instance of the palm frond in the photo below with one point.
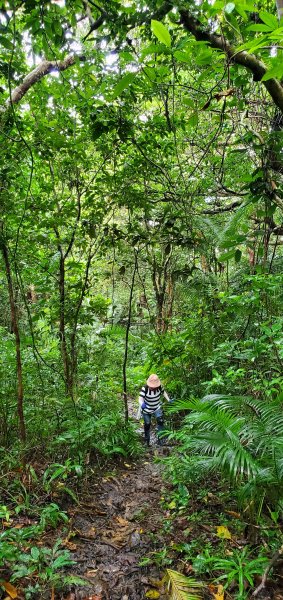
(242, 437)
(182, 587)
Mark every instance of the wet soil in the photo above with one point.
(117, 524)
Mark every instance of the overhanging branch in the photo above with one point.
(222, 209)
(43, 69)
(249, 61)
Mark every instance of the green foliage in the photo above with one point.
(19, 553)
(156, 156)
(241, 569)
(240, 437)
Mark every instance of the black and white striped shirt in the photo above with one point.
(151, 398)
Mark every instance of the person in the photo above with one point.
(150, 406)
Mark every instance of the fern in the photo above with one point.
(241, 437)
(230, 231)
(183, 588)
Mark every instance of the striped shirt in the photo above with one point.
(151, 398)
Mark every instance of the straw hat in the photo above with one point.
(153, 381)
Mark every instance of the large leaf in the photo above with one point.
(269, 19)
(161, 32)
(123, 84)
(183, 588)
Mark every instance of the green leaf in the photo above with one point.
(275, 72)
(76, 580)
(123, 84)
(269, 19)
(241, 11)
(193, 120)
(238, 255)
(6, 43)
(229, 7)
(35, 553)
(160, 31)
(260, 28)
(226, 256)
(182, 56)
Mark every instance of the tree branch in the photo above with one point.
(43, 69)
(249, 61)
(222, 209)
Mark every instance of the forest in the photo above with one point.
(141, 234)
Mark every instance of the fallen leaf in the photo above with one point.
(223, 532)
(128, 466)
(152, 594)
(91, 573)
(220, 593)
(158, 583)
(122, 521)
(70, 545)
(10, 589)
(217, 591)
(233, 514)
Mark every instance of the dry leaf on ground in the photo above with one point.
(10, 589)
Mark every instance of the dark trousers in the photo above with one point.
(158, 414)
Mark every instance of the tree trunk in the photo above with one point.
(127, 341)
(279, 4)
(73, 350)
(15, 330)
(170, 296)
(63, 343)
(160, 325)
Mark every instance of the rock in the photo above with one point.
(135, 540)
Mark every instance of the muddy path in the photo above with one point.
(117, 523)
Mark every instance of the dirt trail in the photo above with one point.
(118, 523)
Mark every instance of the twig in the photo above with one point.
(271, 564)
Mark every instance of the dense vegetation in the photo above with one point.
(141, 231)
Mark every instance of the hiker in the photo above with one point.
(150, 406)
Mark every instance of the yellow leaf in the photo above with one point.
(217, 591)
(126, 465)
(220, 593)
(172, 504)
(141, 531)
(152, 594)
(10, 589)
(223, 532)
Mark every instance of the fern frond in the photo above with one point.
(182, 587)
(231, 228)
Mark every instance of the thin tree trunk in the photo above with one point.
(63, 343)
(73, 353)
(160, 297)
(279, 5)
(15, 329)
(170, 293)
(127, 341)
